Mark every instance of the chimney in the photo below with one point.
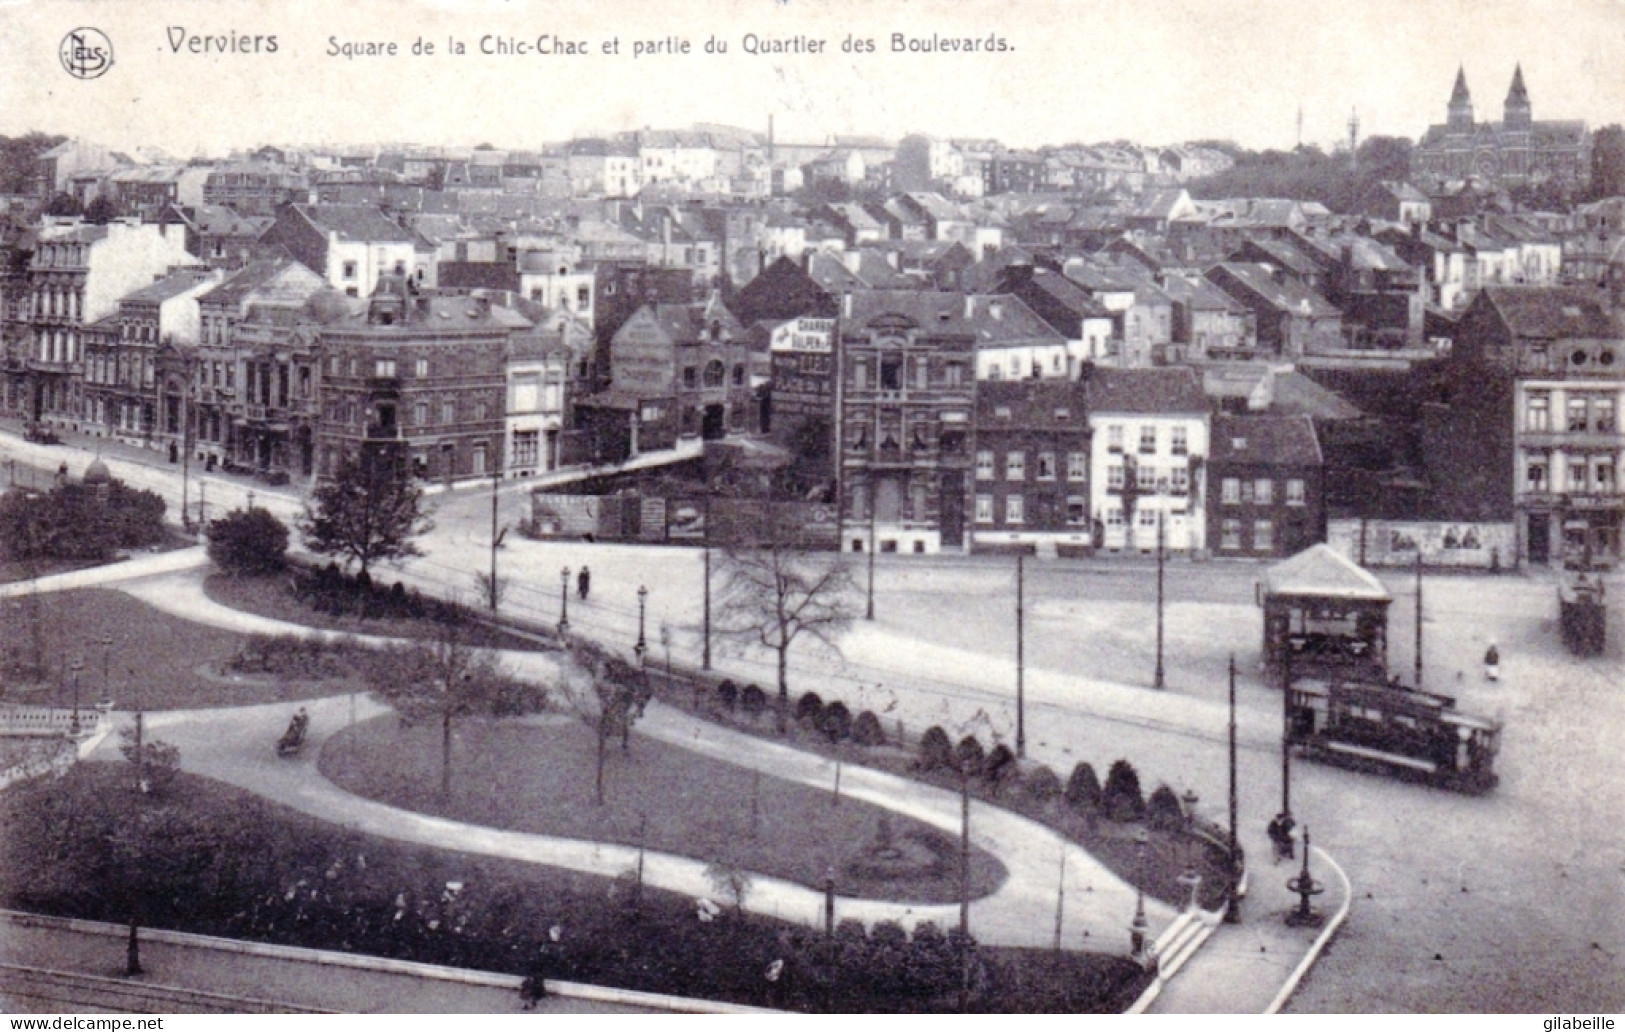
(970, 305)
(846, 304)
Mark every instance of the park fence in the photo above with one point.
(683, 519)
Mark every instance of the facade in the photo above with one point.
(1565, 357)
(1270, 499)
(1291, 319)
(1030, 486)
(425, 372)
(907, 392)
(254, 187)
(537, 371)
(1149, 429)
(1512, 152)
(350, 245)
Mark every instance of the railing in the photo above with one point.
(43, 721)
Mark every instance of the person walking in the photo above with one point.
(1492, 662)
(583, 583)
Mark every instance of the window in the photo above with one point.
(1179, 480)
(1538, 412)
(739, 376)
(1230, 491)
(1145, 478)
(420, 367)
(1578, 424)
(420, 413)
(1535, 473)
(1114, 478)
(1114, 438)
(1014, 509)
(1230, 534)
(1114, 517)
(1602, 415)
(349, 270)
(583, 296)
(1077, 465)
(1264, 491)
(1179, 445)
(1001, 412)
(984, 508)
(1603, 475)
(691, 377)
(1147, 519)
(715, 373)
(1148, 440)
(984, 465)
(1046, 465)
(1263, 535)
(954, 374)
(481, 410)
(384, 367)
(1294, 492)
(1077, 510)
(1015, 466)
(448, 411)
(860, 375)
(922, 373)
(891, 373)
(1577, 472)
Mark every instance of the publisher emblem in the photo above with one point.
(86, 53)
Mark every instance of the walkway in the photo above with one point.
(234, 746)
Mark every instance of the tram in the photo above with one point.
(1394, 730)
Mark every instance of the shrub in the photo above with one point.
(889, 933)
(1083, 789)
(836, 721)
(809, 708)
(1044, 785)
(935, 749)
(969, 756)
(1163, 810)
(1000, 764)
(867, 730)
(248, 542)
(727, 694)
(753, 699)
(1122, 798)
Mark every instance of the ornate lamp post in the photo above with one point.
(77, 665)
(643, 643)
(1138, 927)
(1190, 878)
(1306, 888)
(1157, 679)
(564, 599)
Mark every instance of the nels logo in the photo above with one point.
(86, 53)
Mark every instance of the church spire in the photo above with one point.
(1517, 115)
(1461, 105)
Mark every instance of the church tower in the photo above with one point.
(1517, 117)
(1461, 105)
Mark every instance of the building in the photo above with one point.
(1291, 319)
(1030, 491)
(1149, 429)
(351, 245)
(907, 392)
(254, 187)
(78, 275)
(1270, 499)
(1515, 151)
(537, 368)
(425, 372)
(1564, 355)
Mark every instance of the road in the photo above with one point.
(1514, 901)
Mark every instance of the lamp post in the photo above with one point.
(106, 642)
(869, 604)
(564, 599)
(1190, 879)
(1286, 728)
(1021, 698)
(1139, 926)
(77, 665)
(496, 537)
(643, 643)
(1232, 909)
(1157, 680)
(1419, 617)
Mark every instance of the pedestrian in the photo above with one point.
(583, 583)
(1492, 662)
(1288, 842)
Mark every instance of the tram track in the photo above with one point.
(49, 990)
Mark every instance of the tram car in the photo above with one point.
(1394, 730)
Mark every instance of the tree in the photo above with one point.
(370, 510)
(609, 696)
(774, 593)
(1608, 162)
(440, 679)
(1123, 800)
(64, 204)
(731, 882)
(101, 211)
(248, 541)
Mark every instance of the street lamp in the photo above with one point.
(496, 536)
(564, 599)
(1139, 926)
(643, 644)
(1157, 681)
(106, 642)
(1190, 879)
(869, 605)
(1021, 673)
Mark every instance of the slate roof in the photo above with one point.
(1551, 313)
(991, 320)
(356, 222)
(1320, 571)
(252, 277)
(1164, 391)
(1271, 439)
(168, 287)
(1288, 296)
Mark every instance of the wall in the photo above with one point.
(1443, 543)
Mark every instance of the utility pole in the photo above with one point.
(1418, 617)
(1021, 701)
(1157, 680)
(1232, 910)
(1286, 729)
(496, 538)
(869, 607)
(705, 653)
(964, 892)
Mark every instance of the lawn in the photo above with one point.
(208, 858)
(538, 776)
(271, 597)
(155, 661)
(13, 570)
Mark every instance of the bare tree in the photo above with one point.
(609, 695)
(776, 591)
(439, 679)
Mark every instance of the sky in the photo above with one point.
(1154, 71)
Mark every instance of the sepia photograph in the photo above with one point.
(568, 509)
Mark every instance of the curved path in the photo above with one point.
(234, 746)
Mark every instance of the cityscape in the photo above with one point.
(706, 569)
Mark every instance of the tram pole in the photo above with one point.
(1021, 700)
(1232, 910)
(1286, 729)
(1418, 617)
